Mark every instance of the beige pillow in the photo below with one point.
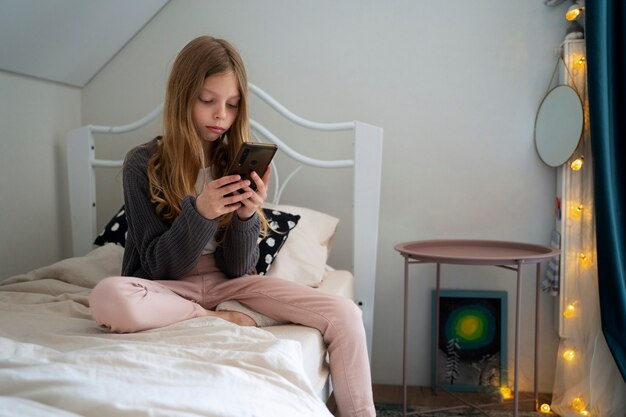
(303, 257)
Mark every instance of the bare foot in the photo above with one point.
(233, 317)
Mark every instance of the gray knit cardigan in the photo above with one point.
(157, 249)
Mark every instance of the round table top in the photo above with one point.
(477, 252)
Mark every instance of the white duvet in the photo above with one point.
(55, 361)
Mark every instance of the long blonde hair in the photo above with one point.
(174, 168)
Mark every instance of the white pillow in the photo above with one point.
(303, 257)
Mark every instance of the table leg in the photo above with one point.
(436, 332)
(405, 334)
(537, 325)
(518, 304)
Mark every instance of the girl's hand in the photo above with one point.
(255, 199)
(220, 196)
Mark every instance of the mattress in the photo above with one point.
(55, 361)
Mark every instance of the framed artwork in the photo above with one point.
(470, 342)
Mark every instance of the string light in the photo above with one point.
(506, 393)
(545, 408)
(569, 311)
(569, 355)
(576, 212)
(574, 12)
(578, 404)
(584, 260)
(577, 163)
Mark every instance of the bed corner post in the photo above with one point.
(81, 181)
(368, 147)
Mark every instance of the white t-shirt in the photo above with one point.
(204, 177)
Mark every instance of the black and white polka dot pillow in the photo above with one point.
(280, 224)
(115, 230)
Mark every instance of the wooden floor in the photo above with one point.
(424, 396)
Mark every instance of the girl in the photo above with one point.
(192, 238)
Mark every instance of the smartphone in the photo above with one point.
(253, 156)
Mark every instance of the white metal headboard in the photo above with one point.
(366, 164)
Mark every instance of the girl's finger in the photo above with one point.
(232, 188)
(266, 174)
(260, 182)
(223, 181)
(238, 198)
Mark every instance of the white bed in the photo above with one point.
(54, 359)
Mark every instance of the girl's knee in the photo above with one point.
(347, 311)
(345, 324)
(103, 292)
(106, 290)
(111, 305)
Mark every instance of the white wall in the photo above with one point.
(455, 87)
(35, 115)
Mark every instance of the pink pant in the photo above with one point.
(127, 304)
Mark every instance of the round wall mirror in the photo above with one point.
(558, 125)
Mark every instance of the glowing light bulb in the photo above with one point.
(506, 393)
(573, 12)
(569, 355)
(578, 404)
(577, 163)
(545, 408)
(569, 311)
(576, 212)
(581, 61)
(585, 413)
(584, 260)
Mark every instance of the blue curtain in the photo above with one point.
(605, 28)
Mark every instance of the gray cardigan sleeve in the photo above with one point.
(157, 249)
(238, 253)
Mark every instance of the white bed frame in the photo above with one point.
(366, 163)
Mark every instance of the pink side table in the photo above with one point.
(507, 255)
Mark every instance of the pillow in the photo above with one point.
(303, 257)
(114, 231)
(280, 224)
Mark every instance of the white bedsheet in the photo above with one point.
(55, 361)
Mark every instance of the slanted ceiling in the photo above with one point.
(68, 41)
